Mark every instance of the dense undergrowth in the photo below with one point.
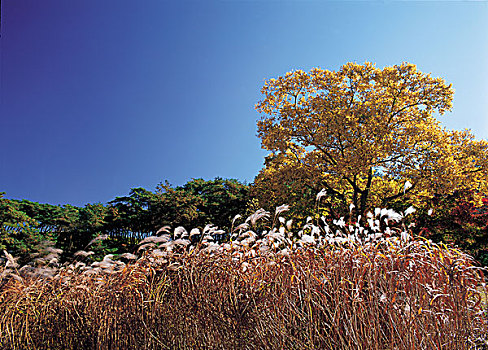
(341, 287)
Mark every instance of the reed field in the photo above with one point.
(337, 286)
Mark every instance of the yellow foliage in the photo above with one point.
(364, 133)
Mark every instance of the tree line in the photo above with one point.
(26, 226)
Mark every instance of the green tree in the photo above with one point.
(201, 202)
(19, 233)
(134, 213)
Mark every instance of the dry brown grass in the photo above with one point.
(387, 295)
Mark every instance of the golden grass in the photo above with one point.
(386, 295)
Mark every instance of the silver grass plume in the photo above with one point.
(97, 238)
(259, 214)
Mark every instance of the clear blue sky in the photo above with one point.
(99, 96)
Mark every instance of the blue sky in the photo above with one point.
(99, 96)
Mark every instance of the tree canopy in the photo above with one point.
(367, 135)
(201, 202)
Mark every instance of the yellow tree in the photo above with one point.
(367, 135)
